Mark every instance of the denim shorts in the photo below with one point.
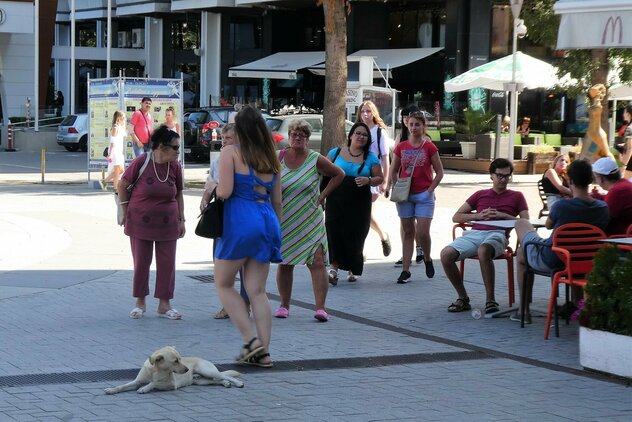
(420, 205)
(468, 244)
(539, 254)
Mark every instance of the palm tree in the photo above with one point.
(336, 72)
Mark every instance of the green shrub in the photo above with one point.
(608, 306)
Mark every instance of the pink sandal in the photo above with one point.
(282, 312)
(321, 315)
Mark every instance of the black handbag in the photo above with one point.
(106, 151)
(211, 222)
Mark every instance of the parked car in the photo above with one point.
(197, 130)
(72, 132)
(279, 127)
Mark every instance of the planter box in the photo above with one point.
(468, 149)
(539, 162)
(521, 151)
(605, 352)
(486, 144)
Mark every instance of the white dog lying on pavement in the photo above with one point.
(165, 369)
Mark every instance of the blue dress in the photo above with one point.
(251, 227)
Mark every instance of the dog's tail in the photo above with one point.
(231, 373)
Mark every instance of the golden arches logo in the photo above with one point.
(613, 24)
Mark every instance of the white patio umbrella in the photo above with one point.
(531, 72)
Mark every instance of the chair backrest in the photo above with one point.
(545, 206)
(553, 139)
(435, 134)
(576, 244)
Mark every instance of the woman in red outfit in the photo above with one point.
(154, 217)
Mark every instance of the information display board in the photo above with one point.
(105, 96)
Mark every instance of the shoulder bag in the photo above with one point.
(401, 188)
(211, 222)
(119, 208)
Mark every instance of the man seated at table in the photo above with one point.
(581, 208)
(618, 197)
(497, 203)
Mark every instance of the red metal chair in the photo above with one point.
(576, 244)
(508, 255)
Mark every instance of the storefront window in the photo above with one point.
(501, 30)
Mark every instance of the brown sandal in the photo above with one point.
(460, 305)
(248, 353)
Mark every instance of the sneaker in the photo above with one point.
(352, 278)
(516, 317)
(404, 277)
(399, 263)
(386, 246)
(282, 312)
(420, 255)
(430, 271)
(333, 277)
(321, 315)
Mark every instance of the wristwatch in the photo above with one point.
(369, 180)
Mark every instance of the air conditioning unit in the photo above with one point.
(124, 39)
(138, 38)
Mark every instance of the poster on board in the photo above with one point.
(105, 96)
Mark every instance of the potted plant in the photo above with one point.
(539, 158)
(475, 122)
(605, 337)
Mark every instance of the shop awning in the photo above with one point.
(594, 24)
(396, 57)
(278, 65)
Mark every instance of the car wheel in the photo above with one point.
(83, 143)
(71, 148)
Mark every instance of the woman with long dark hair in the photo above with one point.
(250, 185)
(348, 207)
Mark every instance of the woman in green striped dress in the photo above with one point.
(302, 226)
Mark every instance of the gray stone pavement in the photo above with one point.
(389, 351)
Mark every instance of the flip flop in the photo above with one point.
(222, 314)
(137, 313)
(171, 314)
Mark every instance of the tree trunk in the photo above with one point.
(335, 75)
(600, 76)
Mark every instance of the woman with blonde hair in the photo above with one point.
(170, 122)
(370, 116)
(116, 150)
(250, 185)
(555, 180)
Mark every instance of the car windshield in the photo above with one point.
(274, 124)
(198, 117)
(68, 120)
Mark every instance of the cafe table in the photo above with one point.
(507, 224)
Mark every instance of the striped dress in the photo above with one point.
(302, 224)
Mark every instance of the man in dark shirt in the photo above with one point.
(581, 208)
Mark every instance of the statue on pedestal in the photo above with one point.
(595, 142)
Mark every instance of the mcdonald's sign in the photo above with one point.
(612, 24)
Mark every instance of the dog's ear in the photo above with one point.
(155, 358)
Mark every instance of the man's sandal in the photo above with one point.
(491, 307)
(256, 360)
(248, 353)
(460, 305)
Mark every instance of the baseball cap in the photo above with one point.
(605, 166)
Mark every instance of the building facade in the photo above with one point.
(200, 40)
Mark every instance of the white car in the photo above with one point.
(72, 133)
(279, 127)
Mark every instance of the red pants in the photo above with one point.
(142, 252)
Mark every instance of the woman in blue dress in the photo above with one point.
(348, 207)
(250, 185)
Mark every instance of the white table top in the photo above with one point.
(618, 240)
(507, 224)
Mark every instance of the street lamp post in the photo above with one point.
(516, 6)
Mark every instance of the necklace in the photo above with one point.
(156, 172)
(354, 155)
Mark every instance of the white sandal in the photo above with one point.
(333, 276)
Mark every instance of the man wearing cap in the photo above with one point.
(581, 208)
(618, 197)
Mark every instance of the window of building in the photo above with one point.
(86, 33)
(245, 32)
(421, 28)
(501, 30)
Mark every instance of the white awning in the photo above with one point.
(594, 24)
(396, 57)
(278, 65)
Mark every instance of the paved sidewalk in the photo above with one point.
(389, 352)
